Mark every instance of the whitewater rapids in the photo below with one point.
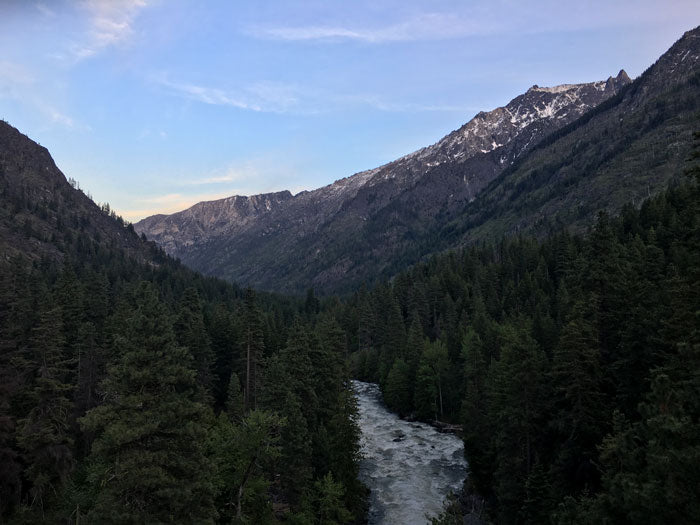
(409, 467)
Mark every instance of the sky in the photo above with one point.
(154, 105)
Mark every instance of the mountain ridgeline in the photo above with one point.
(360, 227)
(550, 158)
(537, 283)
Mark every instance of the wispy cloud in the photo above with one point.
(59, 118)
(280, 98)
(208, 95)
(382, 104)
(110, 23)
(426, 26)
(45, 10)
(496, 17)
(19, 84)
(271, 171)
(243, 173)
(260, 97)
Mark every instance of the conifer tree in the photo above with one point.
(435, 356)
(475, 417)
(243, 454)
(15, 311)
(330, 507)
(192, 334)
(225, 341)
(235, 403)
(344, 436)
(577, 381)
(518, 405)
(148, 463)
(414, 345)
(44, 434)
(327, 355)
(425, 393)
(281, 395)
(253, 346)
(398, 388)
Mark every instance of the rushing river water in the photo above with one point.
(409, 467)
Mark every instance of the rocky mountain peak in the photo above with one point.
(522, 122)
(450, 172)
(623, 77)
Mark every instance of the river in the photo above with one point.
(409, 467)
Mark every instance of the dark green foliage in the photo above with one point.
(576, 373)
(397, 393)
(517, 410)
(235, 402)
(44, 436)
(242, 454)
(146, 368)
(425, 396)
(329, 506)
(148, 458)
(253, 345)
(192, 334)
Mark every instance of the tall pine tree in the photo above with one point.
(148, 463)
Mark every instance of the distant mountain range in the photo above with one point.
(284, 242)
(551, 158)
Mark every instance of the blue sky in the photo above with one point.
(153, 105)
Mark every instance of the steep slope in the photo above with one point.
(101, 331)
(42, 215)
(623, 151)
(209, 219)
(356, 228)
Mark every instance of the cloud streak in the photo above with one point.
(111, 23)
(19, 84)
(234, 173)
(280, 98)
(426, 26)
(262, 97)
(498, 17)
(381, 104)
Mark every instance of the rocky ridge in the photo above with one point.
(252, 240)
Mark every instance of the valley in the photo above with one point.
(531, 280)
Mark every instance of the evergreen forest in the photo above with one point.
(567, 358)
(137, 391)
(572, 363)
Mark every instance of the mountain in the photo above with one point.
(551, 158)
(356, 228)
(625, 150)
(210, 219)
(101, 331)
(42, 215)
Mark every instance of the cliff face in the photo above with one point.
(282, 242)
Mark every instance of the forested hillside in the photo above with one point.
(572, 363)
(134, 390)
(623, 151)
(566, 349)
